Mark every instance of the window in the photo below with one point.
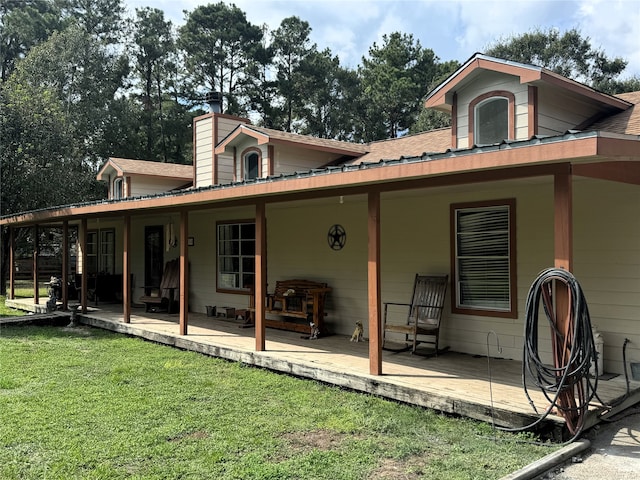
(118, 191)
(492, 121)
(101, 251)
(236, 255)
(251, 166)
(492, 118)
(484, 258)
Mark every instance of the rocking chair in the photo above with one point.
(424, 315)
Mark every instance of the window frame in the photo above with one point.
(244, 158)
(101, 251)
(118, 188)
(485, 97)
(456, 307)
(241, 257)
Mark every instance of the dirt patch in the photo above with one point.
(392, 469)
(315, 440)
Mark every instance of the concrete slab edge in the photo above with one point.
(550, 461)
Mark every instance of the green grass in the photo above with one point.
(6, 311)
(86, 403)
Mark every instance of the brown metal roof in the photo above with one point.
(627, 122)
(433, 141)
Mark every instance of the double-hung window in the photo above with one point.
(484, 259)
(236, 255)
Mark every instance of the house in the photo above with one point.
(536, 171)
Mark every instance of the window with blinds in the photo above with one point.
(484, 260)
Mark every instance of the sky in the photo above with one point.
(453, 29)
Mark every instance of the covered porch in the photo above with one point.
(471, 386)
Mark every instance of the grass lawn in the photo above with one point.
(8, 312)
(87, 403)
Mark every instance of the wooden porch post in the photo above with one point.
(12, 261)
(126, 288)
(563, 221)
(375, 327)
(36, 248)
(184, 271)
(65, 264)
(261, 275)
(563, 249)
(84, 280)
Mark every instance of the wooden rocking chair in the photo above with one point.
(424, 315)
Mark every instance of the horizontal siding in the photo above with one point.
(291, 160)
(204, 144)
(488, 82)
(607, 263)
(558, 113)
(149, 186)
(415, 238)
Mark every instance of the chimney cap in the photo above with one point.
(214, 99)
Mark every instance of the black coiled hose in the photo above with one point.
(567, 384)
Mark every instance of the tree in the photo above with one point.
(219, 42)
(569, 54)
(24, 24)
(429, 119)
(153, 47)
(291, 46)
(394, 78)
(331, 99)
(102, 19)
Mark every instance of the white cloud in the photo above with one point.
(453, 29)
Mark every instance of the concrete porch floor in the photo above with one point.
(453, 383)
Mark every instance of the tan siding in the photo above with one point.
(607, 263)
(225, 168)
(290, 160)
(204, 144)
(488, 82)
(558, 113)
(202, 290)
(148, 186)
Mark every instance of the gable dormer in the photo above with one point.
(258, 152)
(128, 178)
(492, 100)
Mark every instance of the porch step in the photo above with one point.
(52, 318)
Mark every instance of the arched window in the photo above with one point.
(251, 165)
(492, 118)
(118, 189)
(492, 121)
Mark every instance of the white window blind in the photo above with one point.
(482, 258)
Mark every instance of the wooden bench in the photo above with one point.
(296, 299)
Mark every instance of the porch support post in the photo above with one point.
(563, 221)
(261, 275)
(373, 277)
(84, 280)
(36, 248)
(563, 248)
(12, 261)
(65, 264)
(126, 268)
(184, 271)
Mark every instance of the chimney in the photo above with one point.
(214, 99)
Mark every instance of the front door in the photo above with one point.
(153, 257)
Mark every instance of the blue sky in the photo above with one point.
(453, 29)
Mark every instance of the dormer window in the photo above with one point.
(492, 121)
(492, 118)
(251, 165)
